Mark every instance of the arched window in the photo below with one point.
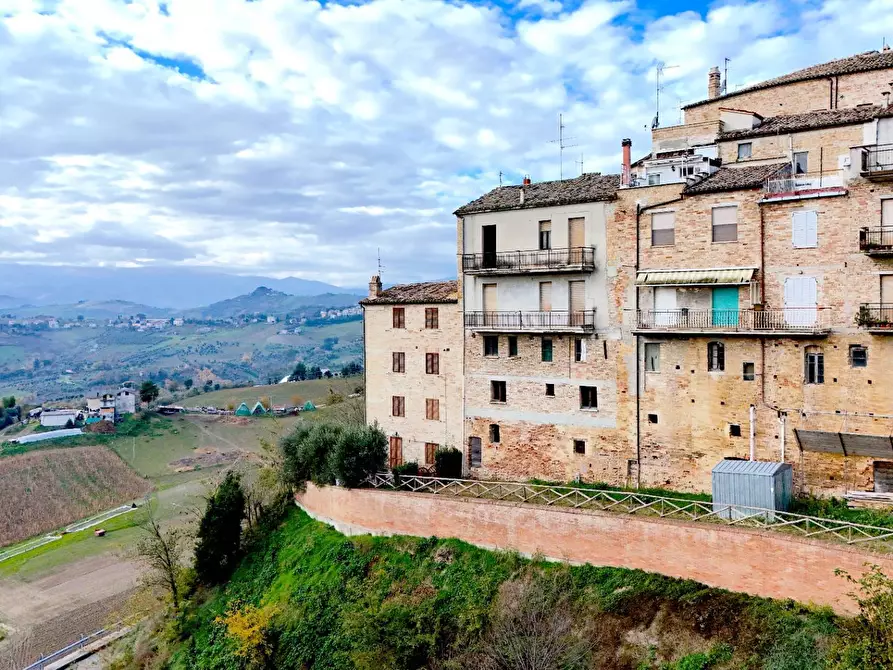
(814, 365)
(716, 357)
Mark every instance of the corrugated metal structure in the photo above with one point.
(751, 484)
(51, 435)
(730, 277)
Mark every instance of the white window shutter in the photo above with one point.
(582, 350)
(812, 228)
(798, 229)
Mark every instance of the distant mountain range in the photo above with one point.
(171, 288)
(92, 309)
(268, 301)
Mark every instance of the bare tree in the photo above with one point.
(161, 550)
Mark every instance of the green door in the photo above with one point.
(725, 306)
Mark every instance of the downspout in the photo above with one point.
(365, 368)
(753, 432)
(782, 419)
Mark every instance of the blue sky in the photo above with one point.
(288, 137)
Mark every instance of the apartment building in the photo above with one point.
(413, 358)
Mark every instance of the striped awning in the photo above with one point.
(732, 276)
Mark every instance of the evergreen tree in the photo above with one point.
(219, 539)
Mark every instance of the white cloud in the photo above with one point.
(324, 131)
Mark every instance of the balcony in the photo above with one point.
(531, 322)
(877, 162)
(537, 261)
(876, 241)
(787, 186)
(876, 317)
(792, 321)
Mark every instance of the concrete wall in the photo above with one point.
(760, 563)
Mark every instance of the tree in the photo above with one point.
(9, 402)
(69, 424)
(208, 385)
(173, 386)
(359, 452)
(300, 373)
(188, 384)
(866, 641)
(162, 553)
(149, 392)
(219, 539)
(216, 387)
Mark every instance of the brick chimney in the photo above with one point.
(526, 181)
(714, 83)
(375, 286)
(626, 167)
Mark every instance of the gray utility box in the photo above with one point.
(751, 484)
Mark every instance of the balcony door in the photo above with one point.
(665, 306)
(800, 301)
(724, 306)
(887, 213)
(576, 302)
(488, 304)
(488, 246)
(576, 239)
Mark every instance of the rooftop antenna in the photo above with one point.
(562, 146)
(500, 177)
(725, 77)
(580, 163)
(661, 66)
(380, 266)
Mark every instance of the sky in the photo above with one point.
(299, 138)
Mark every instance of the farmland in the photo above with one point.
(45, 489)
(315, 390)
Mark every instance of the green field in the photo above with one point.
(315, 390)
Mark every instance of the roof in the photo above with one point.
(758, 468)
(865, 62)
(61, 412)
(733, 179)
(416, 294)
(590, 187)
(826, 118)
(726, 276)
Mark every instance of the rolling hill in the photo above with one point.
(264, 300)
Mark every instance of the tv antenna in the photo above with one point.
(500, 177)
(580, 163)
(380, 266)
(562, 146)
(661, 66)
(725, 76)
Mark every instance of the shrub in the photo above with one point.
(305, 454)
(249, 628)
(219, 540)
(359, 452)
(448, 463)
(410, 469)
(866, 641)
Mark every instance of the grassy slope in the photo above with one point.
(399, 602)
(314, 389)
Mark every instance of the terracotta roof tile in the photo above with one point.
(734, 179)
(429, 292)
(865, 62)
(810, 121)
(585, 188)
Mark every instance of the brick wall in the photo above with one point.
(673, 138)
(765, 564)
(825, 147)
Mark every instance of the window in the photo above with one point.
(579, 446)
(398, 405)
(432, 364)
(588, 397)
(858, 356)
(801, 162)
(547, 350)
(716, 357)
(734, 430)
(815, 366)
(497, 391)
(804, 229)
(474, 452)
(654, 179)
(745, 150)
(513, 346)
(432, 317)
(749, 372)
(652, 418)
(687, 170)
(430, 451)
(725, 224)
(398, 361)
(545, 296)
(491, 345)
(652, 357)
(545, 234)
(432, 409)
(494, 432)
(663, 229)
(580, 350)
(399, 316)
(550, 390)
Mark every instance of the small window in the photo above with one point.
(545, 235)
(550, 390)
(663, 229)
(513, 346)
(497, 391)
(579, 446)
(494, 432)
(745, 150)
(815, 366)
(432, 317)
(749, 373)
(654, 180)
(725, 224)
(734, 430)
(652, 357)
(858, 356)
(399, 317)
(547, 350)
(398, 405)
(580, 350)
(801, 162)
(588, 397)
(804, 229)
(432, 409)
(432, 364)
(716, 357)
(652, 418)
(491, 345)
(430, 451)
(398, 361)
(687, 170)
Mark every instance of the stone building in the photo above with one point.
(412, 336)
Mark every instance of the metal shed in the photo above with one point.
(751, 484)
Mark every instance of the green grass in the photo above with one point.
(315, 390)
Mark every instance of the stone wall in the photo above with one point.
(825, 147)
(766, 564)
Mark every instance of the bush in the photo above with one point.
(360, 452)
(866, 641)
(326, 452)
(410, 469)
(448, 463)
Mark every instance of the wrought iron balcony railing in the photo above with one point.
(877, 160)
(574, 259)
(876, 240)
(811, 320)
(553, 321)
(875, 316)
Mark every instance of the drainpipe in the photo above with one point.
(781, 418)
(753, 432)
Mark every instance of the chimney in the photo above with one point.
(714, 83)
(886, 95)
(526, 181)
(375, 286)
(521, 196)
(627, 145)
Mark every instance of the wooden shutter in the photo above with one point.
(432, 409)
(489, 297)
(545, 296)
(432, 364)
(804, 228)
(576, 237)
(396, 452)
(577, 296)
(887, 289)
(887, 211)
(430, 450)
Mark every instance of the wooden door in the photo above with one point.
(545, 296)
(576, 238)
(488, 246)
(800, 301)
(576, 301)
(396, 452)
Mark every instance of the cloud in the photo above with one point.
(285, 138)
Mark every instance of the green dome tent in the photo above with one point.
(309, 407)
(243, 410)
